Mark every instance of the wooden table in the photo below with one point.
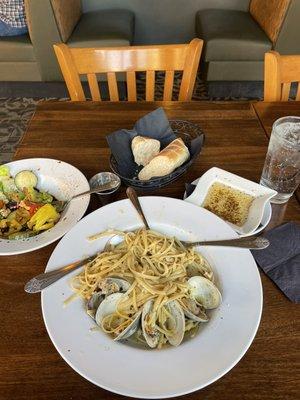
(30, 367)
(268, 113)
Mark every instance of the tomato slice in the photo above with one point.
(30, 206)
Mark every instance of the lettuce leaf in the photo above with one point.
(4, 170)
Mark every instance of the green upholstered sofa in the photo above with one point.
(236, 41)
(31, 57)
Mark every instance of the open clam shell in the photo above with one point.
(93, 303)
(113, 285)
(131, 329)
(151, 334)
(177, 323)
(107, 287)
(194, 311)
(204, 292)
(109, 306)
(200, 269)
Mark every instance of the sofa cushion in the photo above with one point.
(16, 48)
(28, 18)
(103, 28)
(231, 35)
(67, 14)
(234, 71)
(270, 14)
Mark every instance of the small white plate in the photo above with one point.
(174, 371)
(61, 180)
(260, 211)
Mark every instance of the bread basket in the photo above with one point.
(185, 130)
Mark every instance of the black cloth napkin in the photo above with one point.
(189, 188)
(154, 125)
(281, 260)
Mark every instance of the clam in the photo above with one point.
(196, 269)
(204, 292)
(106, 287)
(177, 323)
(112, 285)
(131, 329)
(150, 331)
(109, 306)
(93, 303)
(194, 311)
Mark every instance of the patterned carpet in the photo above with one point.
(15, 113)
(14, 117)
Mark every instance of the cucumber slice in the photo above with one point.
(8, 186)
(25, 179)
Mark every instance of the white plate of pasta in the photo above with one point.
(148, 318)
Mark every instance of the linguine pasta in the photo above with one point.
(157, 268)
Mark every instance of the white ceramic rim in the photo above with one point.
(132, 392)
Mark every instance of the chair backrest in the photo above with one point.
(67, 15)
(270, 15)
(110, 60)
(280, 72)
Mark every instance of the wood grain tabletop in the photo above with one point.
(30, 367)
(268, 113)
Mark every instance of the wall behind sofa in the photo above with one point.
(164, 21)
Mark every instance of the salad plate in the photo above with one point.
(32, 189)
(171, 371)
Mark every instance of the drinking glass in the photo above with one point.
(102, 178)
(281, 171)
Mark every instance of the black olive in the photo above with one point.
(12, 205)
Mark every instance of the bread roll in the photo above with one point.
(144, 149)
(170, 158)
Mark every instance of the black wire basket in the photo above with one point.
(185, 130)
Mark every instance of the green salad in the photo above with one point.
(24, 210)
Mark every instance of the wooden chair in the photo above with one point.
(280, 73)
(109, 60)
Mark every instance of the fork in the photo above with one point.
(248, 242)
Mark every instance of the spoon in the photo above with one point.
(133, 197)
(40, 282)
(98, 189)
(248, 242)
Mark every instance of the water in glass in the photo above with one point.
(282, 165)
